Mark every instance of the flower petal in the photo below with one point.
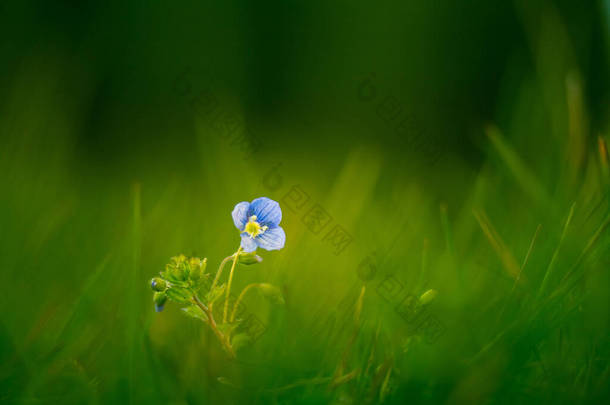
(272, 239)
(267, 211)
(247, 243)
(240, 214)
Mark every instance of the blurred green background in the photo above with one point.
(459, 145)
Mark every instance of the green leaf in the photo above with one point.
(179, 294)
(202, 283)
(195, 312)
(228, 328)
(170, 274)
(214, 294)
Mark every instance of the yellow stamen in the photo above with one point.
(253, 228)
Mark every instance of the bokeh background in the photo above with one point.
(456, 146)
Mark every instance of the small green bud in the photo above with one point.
(197, 268)
(178, 260)
(193, 268)
(159, 299)
(271, 292)
(428, 297)
(249, 258)
(178, 272)
(158, 284)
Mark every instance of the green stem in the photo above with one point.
(219, 271)
(218, 274)
(224, 341)
(226, 310)
(240, 298)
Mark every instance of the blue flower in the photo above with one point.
(259, 223)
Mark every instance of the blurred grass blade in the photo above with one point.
(577, 128)
(531, 247)
(526, 179)
(602, 148)
(586, 250)
(506, 257)
(359, 303)
(551, 265)
(525, 261)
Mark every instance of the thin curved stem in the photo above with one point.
(217, 277)
(226, 310)
(240, 298)
(219, 271)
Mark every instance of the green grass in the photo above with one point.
(516, 246)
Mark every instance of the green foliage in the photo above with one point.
(215, 293)
(228, 328)
(179, 294)
(185, 281)
(196, 268)
(128, 131)
(195, 312)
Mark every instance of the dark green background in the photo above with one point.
(112, 160)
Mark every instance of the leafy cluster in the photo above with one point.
(185, 281)
(180, 280)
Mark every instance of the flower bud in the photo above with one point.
(428, 297)
(158, 284)
(178, 273)
(197, 268)
(178, 260)
(159, 299)
(271, 292)
(249, 258)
